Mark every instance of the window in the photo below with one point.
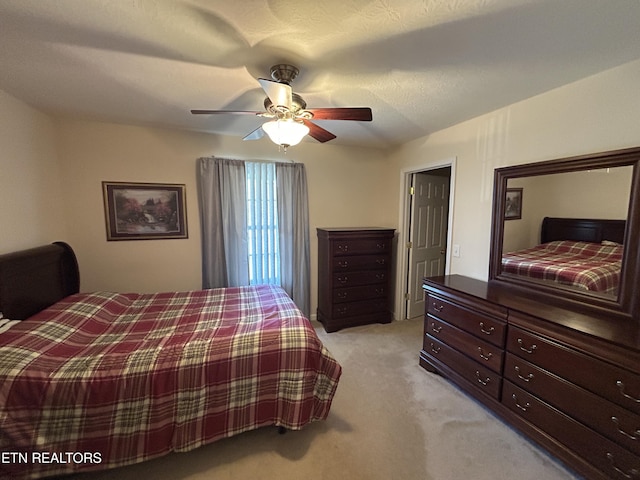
(255, 226)
(263, 243)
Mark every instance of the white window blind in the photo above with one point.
(262, 223)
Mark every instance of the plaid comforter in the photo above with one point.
(587, 266)
(105, 379)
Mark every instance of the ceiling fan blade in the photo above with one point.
(361, 114)
(234, 112)
(319, 133)
(279, 93)
(257, 134)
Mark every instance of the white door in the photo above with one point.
(428, 234)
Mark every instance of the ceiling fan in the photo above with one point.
(290, 118)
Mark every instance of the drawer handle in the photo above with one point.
(484, 382)
(521, 407)
(436, 307)
(379, 291)
(634, 436)
(435, 349)
(436, 328)
(343, 248)
(633, 473)
(483, 356)
(620, 386)
(529, 350)
(381, 246)
(380, 276)
(343, 279)
(343, 264)
(342, 310)
(380, 261)
(528, 378)
(343, 295)
(486, 331)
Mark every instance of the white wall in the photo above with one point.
(595, 114)
(31, 201)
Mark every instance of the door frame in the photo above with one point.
(404, 227)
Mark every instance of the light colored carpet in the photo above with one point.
(390, 420)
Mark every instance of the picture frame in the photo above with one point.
(513, 204)
(144, 211)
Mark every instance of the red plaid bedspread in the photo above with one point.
(588, 266)
(122, 378)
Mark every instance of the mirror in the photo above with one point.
(568, 195)
(567, 230)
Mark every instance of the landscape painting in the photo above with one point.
(144, 211)
(513, 204)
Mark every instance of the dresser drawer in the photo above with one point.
(351, 279)
(354, 294)
(613, 383)
(334, 323)
(483, 352)
(361, 246)
(359, 262)
(478, 375)
(351, 309)
(490, 329)
(613, 460)
(607, 418)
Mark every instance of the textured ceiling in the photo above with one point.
(421, 65)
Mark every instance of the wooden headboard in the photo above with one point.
(582, 229)
(33, 279)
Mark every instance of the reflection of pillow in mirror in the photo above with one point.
(610, 243)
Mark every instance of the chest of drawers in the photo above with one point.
(573, 391)
(354, 276)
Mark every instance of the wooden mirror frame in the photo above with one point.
(627, 303)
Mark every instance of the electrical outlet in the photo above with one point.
(456, 250)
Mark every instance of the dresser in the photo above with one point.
(571, 382)
(354, 276)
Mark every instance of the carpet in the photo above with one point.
(390, 419)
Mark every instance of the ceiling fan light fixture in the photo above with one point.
(291, 120)
(285, 132)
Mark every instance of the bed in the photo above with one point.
(584, 254)
(99, 380)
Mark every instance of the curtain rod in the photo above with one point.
(285, 160)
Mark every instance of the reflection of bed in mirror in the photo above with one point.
(585, 254)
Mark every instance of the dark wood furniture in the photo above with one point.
(568, 380)
(582, 230)
(354, 276)
(33, 279)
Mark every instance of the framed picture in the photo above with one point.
(144, 211)
(513, 204)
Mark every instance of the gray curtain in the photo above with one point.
(293, 223)
(223, 222)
